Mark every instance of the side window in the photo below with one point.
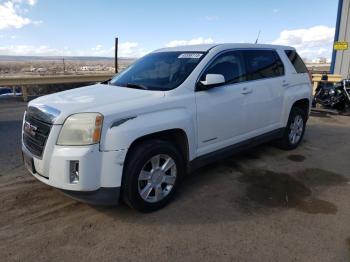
(230, 65)
(297, 62)
(263, 64)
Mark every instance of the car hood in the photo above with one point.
(100, 98)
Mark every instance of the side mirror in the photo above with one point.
(211, 80)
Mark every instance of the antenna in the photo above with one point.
(257, 39)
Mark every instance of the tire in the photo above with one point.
(288, 140)
(152, 175)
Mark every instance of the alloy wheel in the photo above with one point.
(296, 129)
(157, 178)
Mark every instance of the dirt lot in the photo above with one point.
(263, 205)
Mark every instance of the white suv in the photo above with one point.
(173, 110)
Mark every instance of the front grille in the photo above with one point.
(35, 134)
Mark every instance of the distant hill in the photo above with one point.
(55, 58)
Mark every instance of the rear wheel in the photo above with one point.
(295, 129)
(152, 175)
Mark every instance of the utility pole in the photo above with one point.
(64, 67)
(116, 55)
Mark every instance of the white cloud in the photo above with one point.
(97, 48)
(126, 49)
(211, 18)
(33, 50)
(311, 42)
(195, 41)
(131, 49)
(11, 14)
(10, 18)
(37, 22)
(32, 2)
(29, 2)
(8, 36)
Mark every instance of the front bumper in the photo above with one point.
(104, 196)
(100, 173)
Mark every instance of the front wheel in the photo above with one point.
(152, 174)
(295, 129)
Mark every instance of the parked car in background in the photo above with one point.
(7, 91)
(173, 110)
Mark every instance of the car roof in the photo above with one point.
(221, 47)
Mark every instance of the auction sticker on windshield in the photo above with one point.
(190, 55)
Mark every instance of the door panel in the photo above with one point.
(220, 116)
(220, 110)
(249, 104)
(265, 102)
(264, 105)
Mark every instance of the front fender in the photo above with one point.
(120, 137)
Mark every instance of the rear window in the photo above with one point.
(297, 62)
(263, 64)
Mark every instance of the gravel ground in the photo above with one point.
(261, 205)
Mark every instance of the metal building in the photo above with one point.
(341, 53)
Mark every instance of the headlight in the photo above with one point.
(81, 129)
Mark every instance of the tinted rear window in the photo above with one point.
(263, 64)
(296, 61)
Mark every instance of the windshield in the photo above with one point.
(159, 71)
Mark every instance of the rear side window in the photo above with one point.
(263, 64)
(296, 61)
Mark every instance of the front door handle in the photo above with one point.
(246, 90)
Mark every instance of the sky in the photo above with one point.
(88, 28)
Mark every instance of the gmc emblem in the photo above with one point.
(29, 128)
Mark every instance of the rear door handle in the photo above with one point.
(246, 90)
(285, 83)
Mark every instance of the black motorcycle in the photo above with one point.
(334, 96)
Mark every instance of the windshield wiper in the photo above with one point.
(136, 86)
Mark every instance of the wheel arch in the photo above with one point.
(303, 104)
(175, 136)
